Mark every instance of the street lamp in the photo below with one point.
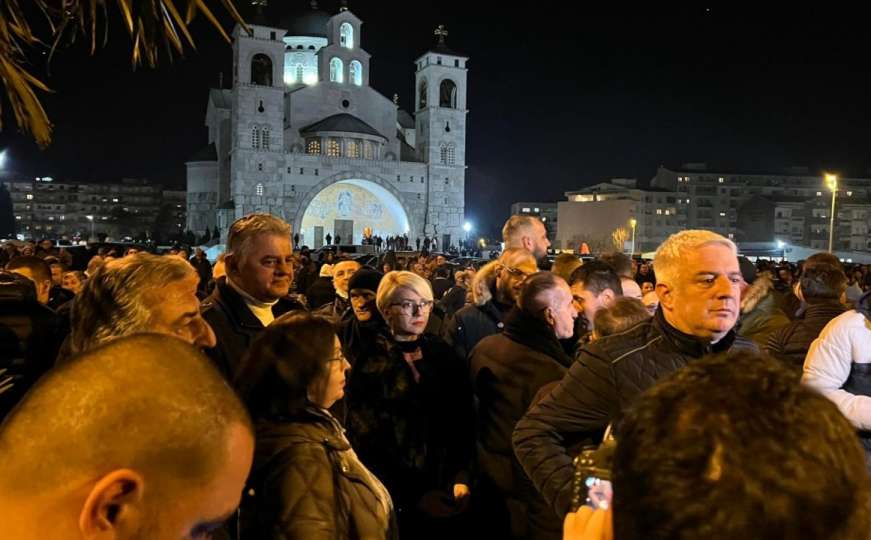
(633, 223)
(832, 183)
(91, 219)
(781, 245)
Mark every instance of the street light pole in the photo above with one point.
(93, 238)
(832, 182)
(633, 223)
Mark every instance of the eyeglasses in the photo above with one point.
(516, 272)
(410, 307)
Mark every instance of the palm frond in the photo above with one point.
(150, 24)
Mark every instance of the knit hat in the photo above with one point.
(748, 269)
(365, 278)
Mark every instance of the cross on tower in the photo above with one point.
(441, 32)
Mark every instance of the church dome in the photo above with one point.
(309, 23)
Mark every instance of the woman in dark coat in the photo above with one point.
(410, 413)
(307, 482)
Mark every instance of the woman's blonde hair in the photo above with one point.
(396, 280)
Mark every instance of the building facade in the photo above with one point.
(303, 136)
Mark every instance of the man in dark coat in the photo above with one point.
(507, 371)
(821, 287)
(203, 268)
(494, 292)
(699, 286)
(259, 272)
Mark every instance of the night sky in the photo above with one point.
(558, 98)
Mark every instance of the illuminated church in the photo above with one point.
(303, 136)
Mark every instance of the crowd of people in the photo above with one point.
(279, 394)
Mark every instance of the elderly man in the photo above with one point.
(526, 232)
(259, 265)
(342, 272)
(138, 294)
(139, 438)
(494, 292)
(508, 369)
(699, 286)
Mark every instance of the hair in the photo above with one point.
(564, 264)
(514, 229)
(117, 299)
(826, 258)
(286, 358)
(672, 253)
(620, 262)
(822, 281)
(393, 281)
(535, 295)
(597, 276)
(38, 268)
(246, 228)
(94, 264)
(730, 447)
(149, 402)
(622, 315)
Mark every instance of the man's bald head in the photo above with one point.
(149, 403)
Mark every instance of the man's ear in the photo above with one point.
(608, 297)
(231, 263)
(549, 318)
(114, 507)
(665, 294)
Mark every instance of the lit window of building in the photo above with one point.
(525, 210)
(721, 180)
(334, 149)
(259, 190)
(29, 196)
(659, 211)
(313, 147)
(819, 193)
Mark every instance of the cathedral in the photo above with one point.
(302, 135)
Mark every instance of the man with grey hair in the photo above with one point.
(136, 294)
(259, 266)
(527, 232)
(699, 286)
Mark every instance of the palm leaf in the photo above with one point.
(150, 25)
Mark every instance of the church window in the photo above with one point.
(354, 151)
(272, 36)
(448, 94)
(356, 73)
(299, 47)
(336, 70)
(261, 70)
(444, 154)
(368, 150)
(346, 36)
(456, 63)
(334, 149)
(317, 172)
(255, 138)
(418, 195)
(422, 94)
(398, 178)
(311, 47)
(421, 179)
(439, 60)
(259, 190)
(259, 166)
(288, 171)
(299, 73)
(451, 151)
(301, 170)
(312, 147)
(264, 138)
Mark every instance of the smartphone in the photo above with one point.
(599, 493)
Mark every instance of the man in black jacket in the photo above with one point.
(259, 273)
(508, 369)
(698, 283)
(494, 292)
(820, 286)
(203, 268)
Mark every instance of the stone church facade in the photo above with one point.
(303, 136)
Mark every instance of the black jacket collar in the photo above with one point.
(688, 344)
(535, 334)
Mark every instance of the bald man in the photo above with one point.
(139, 438)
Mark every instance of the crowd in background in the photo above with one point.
(417, 397)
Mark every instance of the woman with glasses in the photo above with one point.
(410, 412)
(306, 482)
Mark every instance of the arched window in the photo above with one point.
(336, 70)
(369, 150)
(443, 154)
(261, 70)
(259, 190)
(421, 94)
(299, 47)
(300, 71)
(264, 138)
(448, 94)
(356, 73)
(334, 149)
(452, 154)
(346, 36)
(255, 138)
(313, 146)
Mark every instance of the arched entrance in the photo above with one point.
(348, 206)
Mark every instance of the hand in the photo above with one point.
(588, 524)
